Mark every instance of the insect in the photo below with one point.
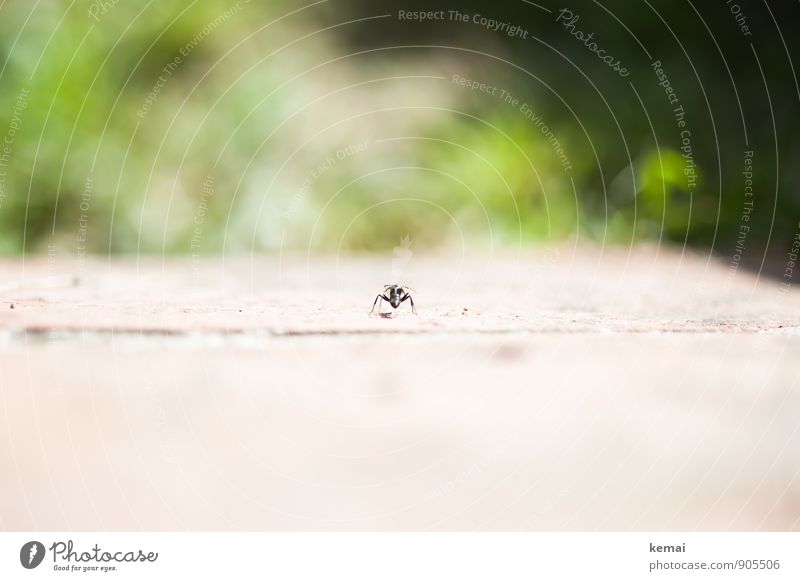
(396, 294)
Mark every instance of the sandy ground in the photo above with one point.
(566, 389)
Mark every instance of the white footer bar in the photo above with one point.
(400, 556)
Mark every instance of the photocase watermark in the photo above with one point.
(664, 82)
(93, 559)
(6, 148)
(743, 228)
(446, 489)
(791, 261)
(402, 257)
(527, 110)
(747, 210)
(209, 28)
(52, 335)
(319, 171)
(160, 83)
(100, 8)
(534, 520)
(206, 193)
(568, 19)
(739, 17)
(679, 114)
(507, 28)
(565, 17)
(70, 558)
(536, 119)
(172, 66)
(31, 554)
(83, 223)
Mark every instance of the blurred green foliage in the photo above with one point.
(213, 126)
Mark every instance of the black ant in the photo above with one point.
(397, 294)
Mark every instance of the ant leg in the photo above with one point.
(380, 296)
(375, 303)
(408, 296)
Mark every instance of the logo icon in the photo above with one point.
(31, 554)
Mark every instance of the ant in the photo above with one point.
(397, 294)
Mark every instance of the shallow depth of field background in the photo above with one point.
(218, 127)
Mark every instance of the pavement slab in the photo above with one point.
(567, 388)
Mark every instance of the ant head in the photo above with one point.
(397, 287)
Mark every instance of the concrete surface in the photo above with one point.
(565, 389)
